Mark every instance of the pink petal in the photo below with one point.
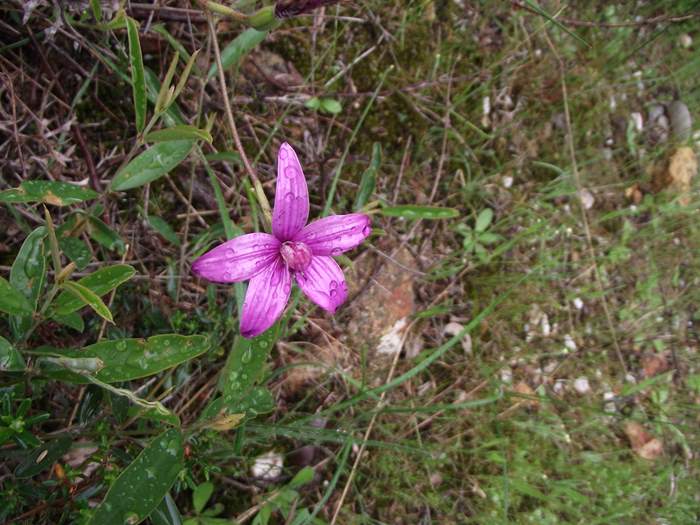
(238, 259)
(323, 282)
(267, 295)
(291, 209)
(335, 234)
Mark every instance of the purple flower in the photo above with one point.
(294, 250)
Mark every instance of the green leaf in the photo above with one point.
(238, 48)
(99, 283)
(11, 301)
(48, 192)
(246, 364)
(201, 495)
(369, 178)
(162, 227)
(105, 235)
(29, 267)
(96, 7)
(144, 483)
(127, 359)
(179, 132)
(483, 221)
(152, 164)
(76, 250)
(27, 275)
(138, 81)
(43, 457)
(227, 156)
(313, 103)
(330, 105)
(166, 513)
(90, 298)
(304, 476)
(10, 358)
(410, 211)
(72, 320)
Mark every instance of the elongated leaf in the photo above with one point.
(10, 358)
(144, 483)
(369, 178)
(99, 283)
(11, 301)
(138, 82)
(180, 132)
(27, 275)
(89, 298)
(105, 235)
(127, 359)
(162, 227)
(48, 192)
(410, 211)
(227, 156)
(76, 250)
(238, 48)
(152, 164)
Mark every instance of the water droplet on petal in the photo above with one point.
(334, 293)
(287, 287)
(291, 171)
(289, 196)
(333, 285)
(366, 230)
(230, 252)
(283, 153)
(336, 251)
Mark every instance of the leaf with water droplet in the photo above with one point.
(49, 192)
(144, 483)
(10, 358)
(28, 274)
(152, 164)
(128, 359)
(411, 211)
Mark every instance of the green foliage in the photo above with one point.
(152, 164)
(144, 483)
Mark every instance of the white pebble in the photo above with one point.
(581, 385)
(569, 343)
(685, 40)
(637, 120)
(507, 181)
(268, 466)
(578, 303)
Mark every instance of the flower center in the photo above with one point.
(297, 255)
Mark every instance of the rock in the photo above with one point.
(676, 173)
(643, 444)
(268, 466)
(681, 121)
(581, 385)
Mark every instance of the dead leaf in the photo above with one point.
(643, 444)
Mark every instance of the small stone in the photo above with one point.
(268, 466)
(581, 385)
(685, 40)
(681, 121)
(578, 303)
(569, 343)
(587, 199)
(637, 120)
(507, 181)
